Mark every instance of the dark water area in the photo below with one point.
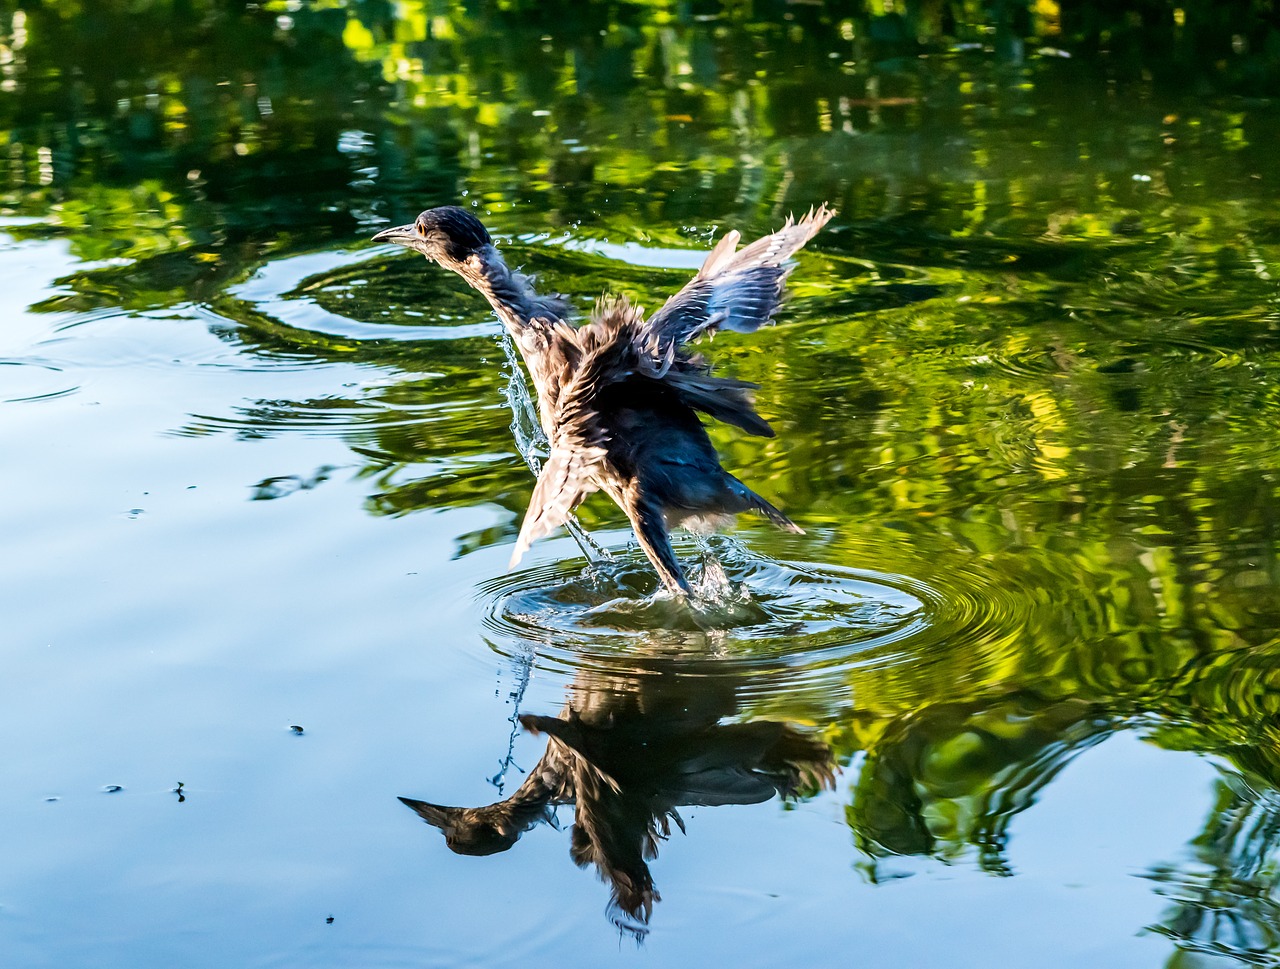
(1012, 697)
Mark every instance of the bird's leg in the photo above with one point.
(651, 530)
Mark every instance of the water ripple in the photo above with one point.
(328, 294)
(32, 379)
(796, 621)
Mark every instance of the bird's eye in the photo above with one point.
(422, 229)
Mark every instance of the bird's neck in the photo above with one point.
(529, 317)
(511, 293)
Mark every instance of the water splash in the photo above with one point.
(524, 673)
(797, 622)
(712, 587)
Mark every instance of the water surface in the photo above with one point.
(1010, 699)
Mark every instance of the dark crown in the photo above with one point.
(458, 230)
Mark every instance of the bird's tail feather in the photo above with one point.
(775, 516)
(721, 398)
(753, 502)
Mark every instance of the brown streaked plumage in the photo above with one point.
(618, 396)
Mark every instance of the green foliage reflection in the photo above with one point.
(1036, 359)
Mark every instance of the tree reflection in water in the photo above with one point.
(948, 778)
(1223, 900)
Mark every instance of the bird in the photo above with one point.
(619, 396)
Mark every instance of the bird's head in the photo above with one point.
(471, 831)
(447, 235)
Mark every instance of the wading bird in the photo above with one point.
(619, 396)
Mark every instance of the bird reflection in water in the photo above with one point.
(627, 752)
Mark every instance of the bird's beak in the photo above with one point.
(434, 814)
(404, 235)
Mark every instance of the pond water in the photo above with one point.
(1010, 700)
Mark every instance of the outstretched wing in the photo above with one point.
(607, 352)
(735, 289)
(565, 480)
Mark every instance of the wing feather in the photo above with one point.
(566, 479)
(609, 350)
(736, 289)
